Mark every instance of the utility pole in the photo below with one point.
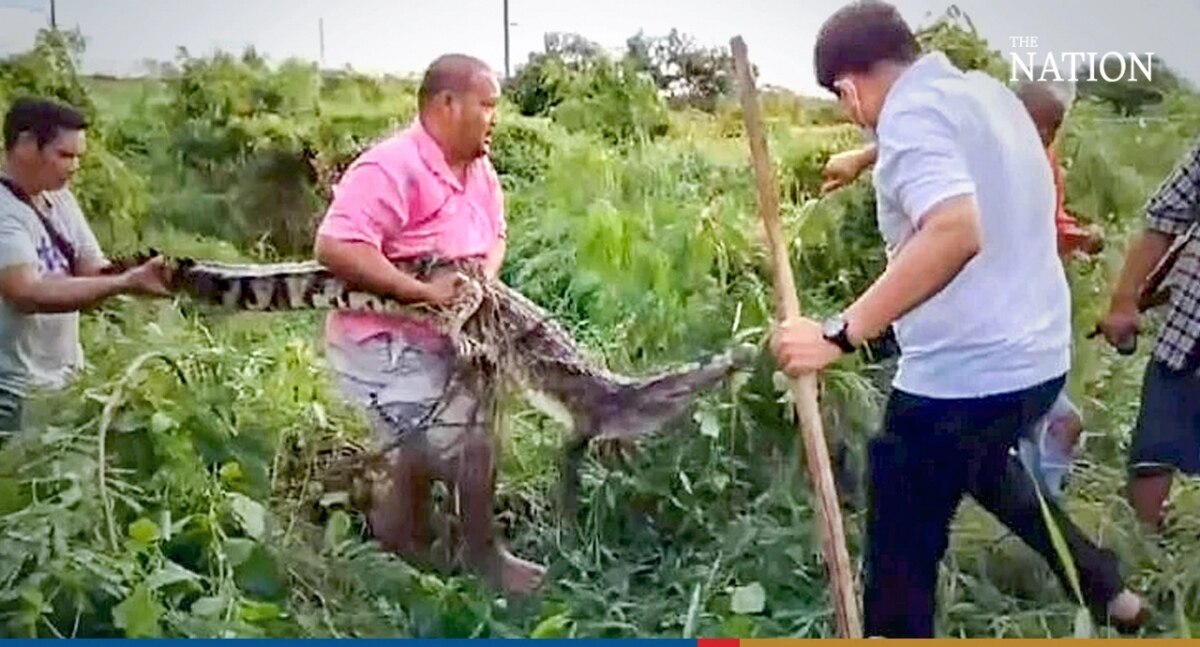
(321, 32)
(54, 17)
(506, 71)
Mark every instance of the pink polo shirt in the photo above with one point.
(401, 198)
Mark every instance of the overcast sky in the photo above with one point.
(404, 35)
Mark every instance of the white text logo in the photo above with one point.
(1077, 66)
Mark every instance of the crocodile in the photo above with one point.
(498, 334)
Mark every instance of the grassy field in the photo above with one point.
(183, 485)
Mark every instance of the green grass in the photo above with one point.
(123, 95)
(227, 519)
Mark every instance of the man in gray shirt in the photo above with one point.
(51, 266)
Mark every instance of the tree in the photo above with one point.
(576, 83)
(1127, 97)
(538, 86)
(686, 72)
(50, 70)
(954, 34)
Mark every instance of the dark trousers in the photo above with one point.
(1167, 435)
(931, 453)
(11, 412)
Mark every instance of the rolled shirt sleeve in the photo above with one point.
(919, 162)
(16, 244)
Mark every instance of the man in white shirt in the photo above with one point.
(980, 307)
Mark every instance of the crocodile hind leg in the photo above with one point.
(573, 452)
(572, 455)
(599, 409)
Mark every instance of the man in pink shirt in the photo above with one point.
(429, 191)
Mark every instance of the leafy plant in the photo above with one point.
(209, 495)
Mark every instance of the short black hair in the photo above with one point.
(858, 36)
(450, 72)
(45, 118)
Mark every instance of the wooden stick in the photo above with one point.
(804, 389)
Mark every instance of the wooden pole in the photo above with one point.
(804, 389)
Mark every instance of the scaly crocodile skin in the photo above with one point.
(496, 330)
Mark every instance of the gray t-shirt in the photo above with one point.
(40, 350)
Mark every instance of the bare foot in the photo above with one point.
(413, 548)
(410, 541)
(1128, 611)
(514, 575)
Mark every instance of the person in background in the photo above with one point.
(1166, 438)
(50, 262)
(1054, 442)
(1048, 112)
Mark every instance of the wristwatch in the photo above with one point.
(835, 329)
